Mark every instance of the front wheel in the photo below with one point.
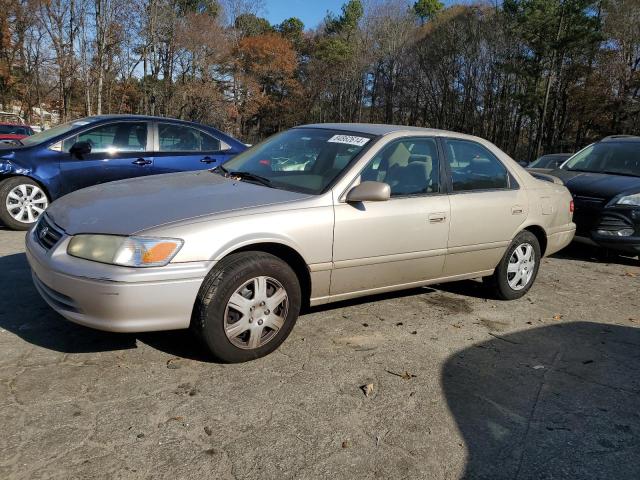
(247, 306)
(518, 269)
(22, 201)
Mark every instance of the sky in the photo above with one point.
(311, 12)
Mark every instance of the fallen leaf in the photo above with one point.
(208, 431)
(406, 375)
(176, 419)
(557, 316)
(630, 274)
(399, 324)
(345, 444)
(172, 363)
(367, 389)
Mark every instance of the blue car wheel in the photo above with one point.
(22, 201)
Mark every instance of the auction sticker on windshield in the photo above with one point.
(349, 140)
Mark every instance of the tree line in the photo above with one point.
(533, 76)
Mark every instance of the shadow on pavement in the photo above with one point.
(589, 253)
(24, 313)
(552, 402)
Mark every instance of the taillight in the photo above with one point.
(571, 206)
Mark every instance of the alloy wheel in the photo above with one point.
(26, 202)
(522, 265)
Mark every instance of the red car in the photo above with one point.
(14, 131)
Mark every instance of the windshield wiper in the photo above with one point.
(220, 168)
(251, 177)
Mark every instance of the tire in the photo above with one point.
(503, 281)
(28, 200)
(244, 328)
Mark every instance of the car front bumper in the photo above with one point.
(603, 224)
(112, 298)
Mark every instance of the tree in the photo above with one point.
(250, 25)
(292, 29)
(427, 9)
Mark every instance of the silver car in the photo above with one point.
(235, 253)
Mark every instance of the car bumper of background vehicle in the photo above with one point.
(131, 305)
(618, 228)
(630, 244)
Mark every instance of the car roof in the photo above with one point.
(381, 129)
(621, 138)
(125, 116)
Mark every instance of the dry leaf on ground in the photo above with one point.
(367, 389)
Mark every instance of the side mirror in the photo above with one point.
(79, 149)
(523, 164)
(369, 192)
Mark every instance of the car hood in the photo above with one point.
(598, 185)
(130, 206)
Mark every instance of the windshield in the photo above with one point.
(54, 132)
(619, 158)
(14, 130)
(304, 160)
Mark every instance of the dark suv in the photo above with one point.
(604, 179)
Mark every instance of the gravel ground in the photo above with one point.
(463, 387)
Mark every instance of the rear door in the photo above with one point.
(181, 148)
(119, 150)
(487, 207)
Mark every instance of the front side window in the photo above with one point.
(181, 138)
(617, 158)
(112, 138)
(410, 167)
(301, 159)
(473, 167)
(46, 135)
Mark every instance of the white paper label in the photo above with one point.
(349, 140)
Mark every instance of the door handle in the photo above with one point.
(437, 217)
(517, 210)
(141, 162)
(208, 160)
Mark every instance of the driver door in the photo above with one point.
(118, 151)
(401, 241)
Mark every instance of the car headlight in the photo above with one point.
(125, 251)
(633, 200)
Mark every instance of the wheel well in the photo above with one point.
(289, 256)
(541, 235)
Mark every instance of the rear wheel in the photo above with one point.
(22, 201)
(518, 269)
(247, 306)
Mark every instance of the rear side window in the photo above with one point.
(473, 167)
(180, 138)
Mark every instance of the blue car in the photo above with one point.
(99, 149)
